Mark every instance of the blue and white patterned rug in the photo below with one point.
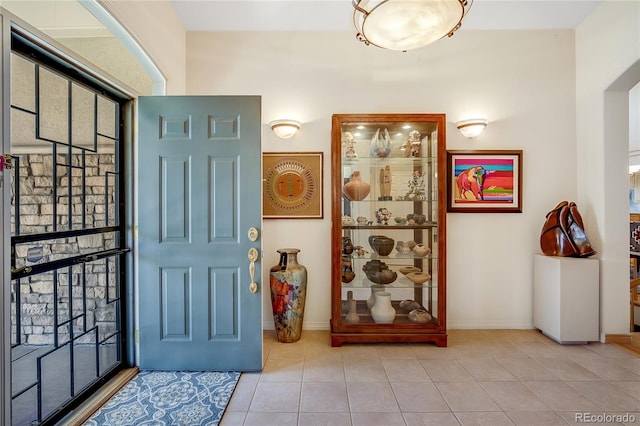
(169, 398)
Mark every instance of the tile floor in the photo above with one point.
(483, 377)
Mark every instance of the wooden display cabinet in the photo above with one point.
(402, 157)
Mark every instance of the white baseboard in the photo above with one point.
(451, 325)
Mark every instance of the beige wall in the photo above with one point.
(156, 27)
(523, 81)
(608, 66)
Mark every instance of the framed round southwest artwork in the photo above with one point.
(292, 185)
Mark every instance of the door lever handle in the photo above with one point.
(253, 256)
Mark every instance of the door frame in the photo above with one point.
(8, 24)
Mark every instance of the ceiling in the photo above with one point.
(336, 15)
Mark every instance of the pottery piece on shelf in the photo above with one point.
(420, 315)
(383, 215)
(418, 277)
(347, 272)
(420, 219)
(408, 269)
(384, 276)
(374, 265)
(352, 316)
(362, 220)
(400, 220)
(375, 288)
(356, 189)
(409, 305)
(403, 247)
(421, 250)
(347, 245)
(348, 220)
(381, 244)
(382, 312)
(411, 244)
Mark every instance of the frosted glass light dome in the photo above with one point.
(407, 24)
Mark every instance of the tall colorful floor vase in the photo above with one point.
(288, 282)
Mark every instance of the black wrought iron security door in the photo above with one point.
(68, 242)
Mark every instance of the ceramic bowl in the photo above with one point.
(408, 269)
(418, 277)
(384, 276)
(421, 250)
(409, 305)
(420, 316)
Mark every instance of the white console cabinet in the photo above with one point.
(566, 302)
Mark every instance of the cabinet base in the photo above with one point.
(337, 339)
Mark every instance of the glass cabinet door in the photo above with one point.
(388, 218)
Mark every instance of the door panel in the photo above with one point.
(199, 179)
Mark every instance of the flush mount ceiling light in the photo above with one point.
(285, 129)
(407, 24)
(472, 127)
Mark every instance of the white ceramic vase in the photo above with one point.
(375, 288)
(382, 312)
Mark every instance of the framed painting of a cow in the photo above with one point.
(484, 181)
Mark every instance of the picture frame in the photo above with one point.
(292, 185)
(500, 174)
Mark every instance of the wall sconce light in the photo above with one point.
(285, 129)
(472, 127)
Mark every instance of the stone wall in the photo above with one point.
(78, 290)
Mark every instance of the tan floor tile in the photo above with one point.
(365, 370)
(324, 398)
(405, 370)
(371, 398)
(419, 398)
(612, 369)
(430, 419)
(486, 376)
(606, 396)
(559, 396)
(359, 352)
(276, 397)
(486, 369)
(466, 396)
(271, 419)
(538, 349)
(233, 418)
(514, 396)
(527, 369)
(324, 419)
(535, 418)
(610, 351)
(490, 418)
(282, 370)
(323, 370)
(242, 396)
(632, 388)
(432, 352)
(632, 364)
(395, 352)
(567, 369)
(292, 351)
(377, 419)
(445, 370)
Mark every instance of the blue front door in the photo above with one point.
(199, 195)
